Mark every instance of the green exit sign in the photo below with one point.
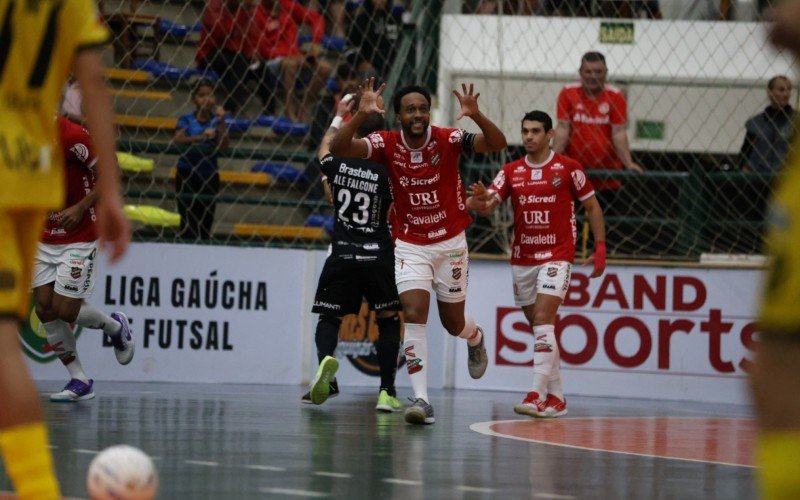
(616, 32)
(652, 130)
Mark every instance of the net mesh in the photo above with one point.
(691, 82)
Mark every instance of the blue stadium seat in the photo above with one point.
(176, 29)
(163, 70)
(332, 85)
(284, 126)
(265, 121)
(351, 5)
(279, 171)
(331, 43)
(318, 220)
(238, 124)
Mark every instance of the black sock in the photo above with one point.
(388, 346)
(327, 336)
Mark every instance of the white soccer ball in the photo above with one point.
(122, 472)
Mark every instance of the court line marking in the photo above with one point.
(485, 428)
(201, 462)
(294, 493)
(341, 475)
(85, 452)
(553, 496)
(475, 489)
(406, 482)
(265, 467)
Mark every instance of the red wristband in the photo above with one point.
(599, 254)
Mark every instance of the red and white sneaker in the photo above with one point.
(532, 406)
(554, 407)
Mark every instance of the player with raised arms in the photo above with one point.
(431, 210)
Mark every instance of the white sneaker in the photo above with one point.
(75, 390)
(124, 345)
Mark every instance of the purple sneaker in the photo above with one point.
(123, 342)
(75, 390)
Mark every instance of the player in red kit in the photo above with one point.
(542, 187)
(65, 268)
(431, 212)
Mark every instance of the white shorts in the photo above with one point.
(70, 266)
(443, 265)
(550, 279)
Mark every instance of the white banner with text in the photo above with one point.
(199, 314)
(683, 334)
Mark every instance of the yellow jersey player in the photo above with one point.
(776, 371)
(40, 42)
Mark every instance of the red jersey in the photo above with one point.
(429, 197)
(279, 36)
(542, 196)
(591, 119)
(79, 160)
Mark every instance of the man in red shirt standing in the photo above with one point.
(431, 211)
(592, 124)
(64, 269)
(542, 187)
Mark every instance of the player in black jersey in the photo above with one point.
(361, 263)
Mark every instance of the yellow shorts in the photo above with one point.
(20, 231)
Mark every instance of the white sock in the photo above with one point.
(544, 357)
(470, 331)
(554, 385)
(91, 317)
(62, 341)
(415, 348)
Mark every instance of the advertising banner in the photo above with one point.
(634, 332)
(199, 314)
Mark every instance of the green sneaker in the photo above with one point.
(388, 403)
(321, 386)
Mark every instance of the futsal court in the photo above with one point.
(212, 441)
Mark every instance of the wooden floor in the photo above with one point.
(258, 441)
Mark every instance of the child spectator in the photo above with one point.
(197, 180)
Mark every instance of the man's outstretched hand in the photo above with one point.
(468, 101)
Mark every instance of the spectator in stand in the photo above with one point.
(335, 11)
(278, 44)
(375, 31)
(197, 178)
(243, 40)
(226, 47)
(768, 134)
(592, 127)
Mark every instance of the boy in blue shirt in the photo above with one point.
(197, 179)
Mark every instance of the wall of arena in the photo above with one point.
(242, 315)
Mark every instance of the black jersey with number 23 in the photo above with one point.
(361, 199)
